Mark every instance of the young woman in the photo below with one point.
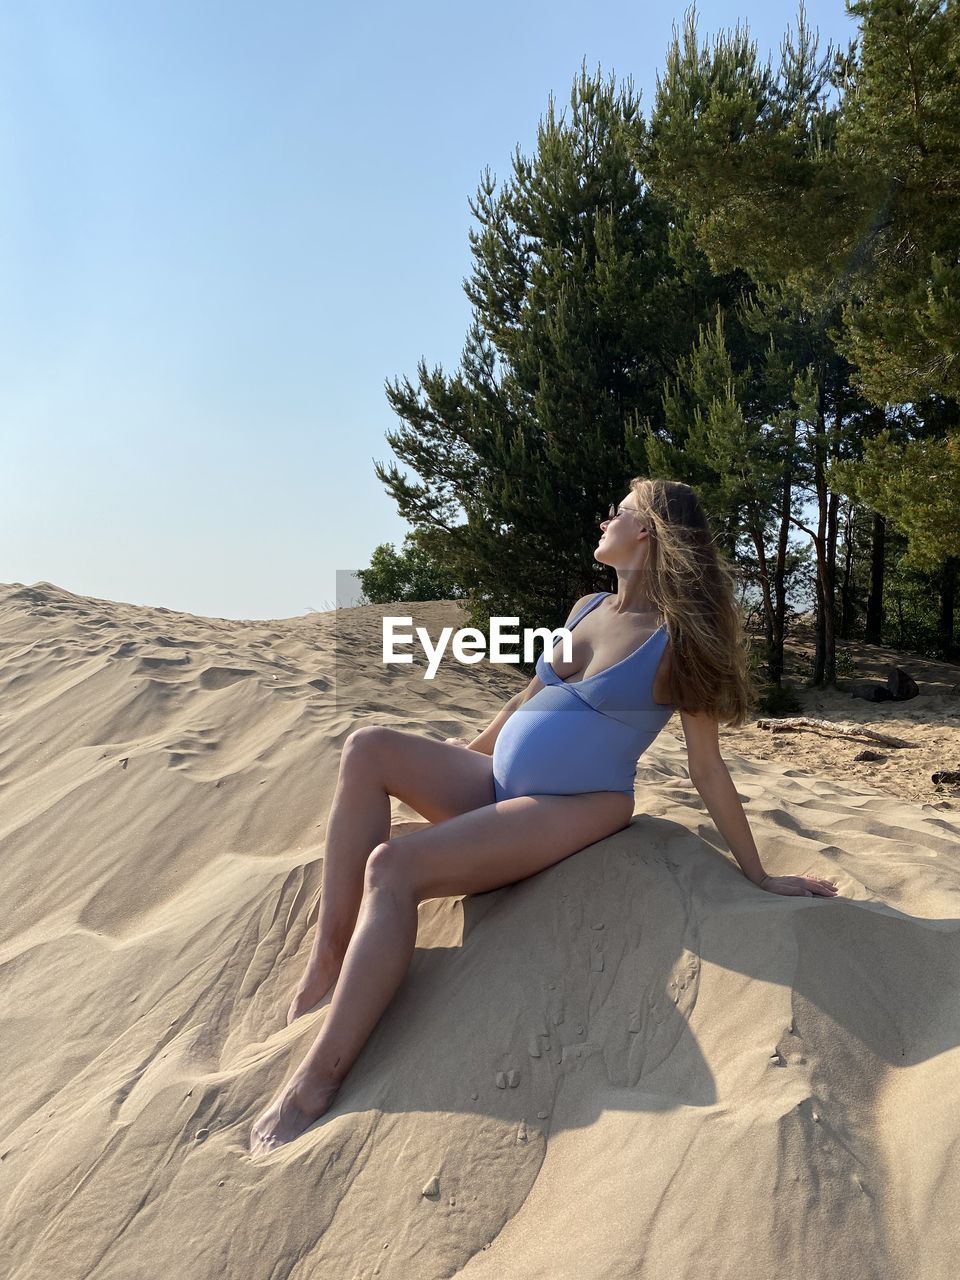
(552, 774)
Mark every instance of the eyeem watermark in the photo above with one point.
(469, 645)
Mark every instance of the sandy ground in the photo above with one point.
(634, 1064)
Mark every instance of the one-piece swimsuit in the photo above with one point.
(585, 735)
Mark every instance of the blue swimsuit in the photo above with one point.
(586, 735)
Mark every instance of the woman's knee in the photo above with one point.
(366, 743)
(385, 867)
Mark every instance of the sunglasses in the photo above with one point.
(613, 511)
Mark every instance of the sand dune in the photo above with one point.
(635, 1064)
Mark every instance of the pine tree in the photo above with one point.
(917, 485)
(854, 202)
(722, 438)
(899, 136)
(734, 146)
(579, 311)
(808, 197)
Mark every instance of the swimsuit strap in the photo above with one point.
(545, 669)
(582, 613)
(603, 684)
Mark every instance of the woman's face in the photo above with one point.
(622, 537)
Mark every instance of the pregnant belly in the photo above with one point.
(556, 745)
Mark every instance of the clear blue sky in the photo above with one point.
(223, 227)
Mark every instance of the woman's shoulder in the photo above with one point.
(582, 603)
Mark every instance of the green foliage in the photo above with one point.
(804, 663)
(853, 202)
(413, 573)
(917, 486)
(742, 148)
(757, 292)
(832, 182)
(779, 700)
(770, 698)
(899, 136)
(845, 663)
(910, 609)
(723, 428)
(578, 309)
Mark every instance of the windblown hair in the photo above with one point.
(692, 585)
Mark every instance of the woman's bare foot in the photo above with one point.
(318, 977)
(301, 1102)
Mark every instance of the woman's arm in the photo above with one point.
(720, 796)
(485, 742)
(710, 776)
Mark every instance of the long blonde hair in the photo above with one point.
(692, 585)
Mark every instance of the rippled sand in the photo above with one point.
(634, 1064)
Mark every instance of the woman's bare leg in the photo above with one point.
(359, 820)
(472, 853)
(436, 779)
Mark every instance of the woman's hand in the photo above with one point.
(799, 886)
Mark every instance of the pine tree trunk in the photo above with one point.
(846, 587)
(824, 660)
(775, 663)
(829, 588)
(874, 622)
(948, 592)
(764, 572)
